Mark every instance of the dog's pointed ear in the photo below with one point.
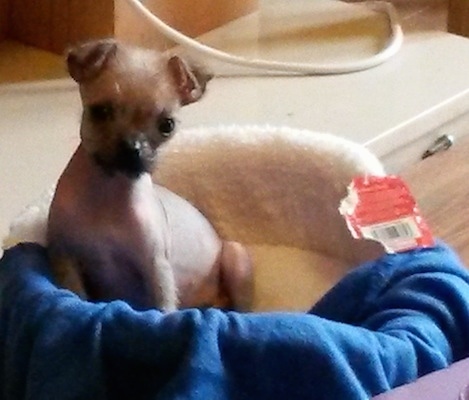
(86, 61)
(190, 80)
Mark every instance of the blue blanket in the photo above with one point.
(385, 324)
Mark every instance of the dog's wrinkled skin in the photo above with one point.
(115, 234)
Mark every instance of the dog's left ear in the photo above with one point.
(190, 80)
(86, 61)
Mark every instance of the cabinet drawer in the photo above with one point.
(410, 152)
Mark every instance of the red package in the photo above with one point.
(382, 208)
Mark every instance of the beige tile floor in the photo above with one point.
(422, 14)
(418, 15)
(20, 63)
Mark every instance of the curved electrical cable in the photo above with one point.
(393, 45)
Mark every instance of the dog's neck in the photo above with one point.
(97, 184)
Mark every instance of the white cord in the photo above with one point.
(392, 47)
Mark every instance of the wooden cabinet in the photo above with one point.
(55, 24)
(3, 18)
(458, 17)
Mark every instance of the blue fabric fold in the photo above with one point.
(385, 324)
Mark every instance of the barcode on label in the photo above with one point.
(401, 229)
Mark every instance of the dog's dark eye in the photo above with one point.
(166, 126)
(102, 112)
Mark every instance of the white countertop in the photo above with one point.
(424, 86)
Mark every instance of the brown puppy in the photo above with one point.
(113, 233)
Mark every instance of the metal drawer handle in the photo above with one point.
(444, 142)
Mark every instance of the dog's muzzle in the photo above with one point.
(130, 157)
(134, 157)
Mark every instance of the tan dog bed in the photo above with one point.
(276, 190)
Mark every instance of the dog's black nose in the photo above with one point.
(131, 148)
(130, 159)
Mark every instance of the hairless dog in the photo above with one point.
(114, 233)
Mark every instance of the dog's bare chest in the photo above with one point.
(124, 226)
(113, 235)
(121, 234)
